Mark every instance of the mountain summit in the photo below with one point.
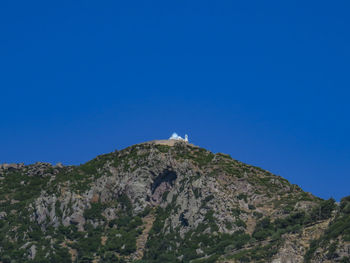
(165, 201)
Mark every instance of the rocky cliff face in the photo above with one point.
(165, 202)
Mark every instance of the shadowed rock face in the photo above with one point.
(161, 184)
(165, 203)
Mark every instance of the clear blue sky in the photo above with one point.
(264, 81)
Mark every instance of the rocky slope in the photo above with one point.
(165, 202)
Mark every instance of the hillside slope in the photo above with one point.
(154, 202)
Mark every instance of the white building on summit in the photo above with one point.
(174, 136)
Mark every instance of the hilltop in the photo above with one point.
(165, 201)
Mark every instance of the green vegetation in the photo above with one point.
(198, 155)
(89, 244)
(322, 211)
(236, 212)
(197, 192)
(292, 223)
(242, 196)
(122, 238)
(163, 148)
(130, 158)
(207, 199)
(338, 228)
(162, 247)
(257, 254)
(274, 230)
(240, 223)
(23, 190)
(21, 187)
(95, 212)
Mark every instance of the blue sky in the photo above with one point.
(264, 81)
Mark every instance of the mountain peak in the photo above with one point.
(159, 201)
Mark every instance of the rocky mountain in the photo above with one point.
(165, 201)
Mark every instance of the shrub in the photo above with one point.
(95, 212)
(240, 223)
(251, 207)
(243, 196)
